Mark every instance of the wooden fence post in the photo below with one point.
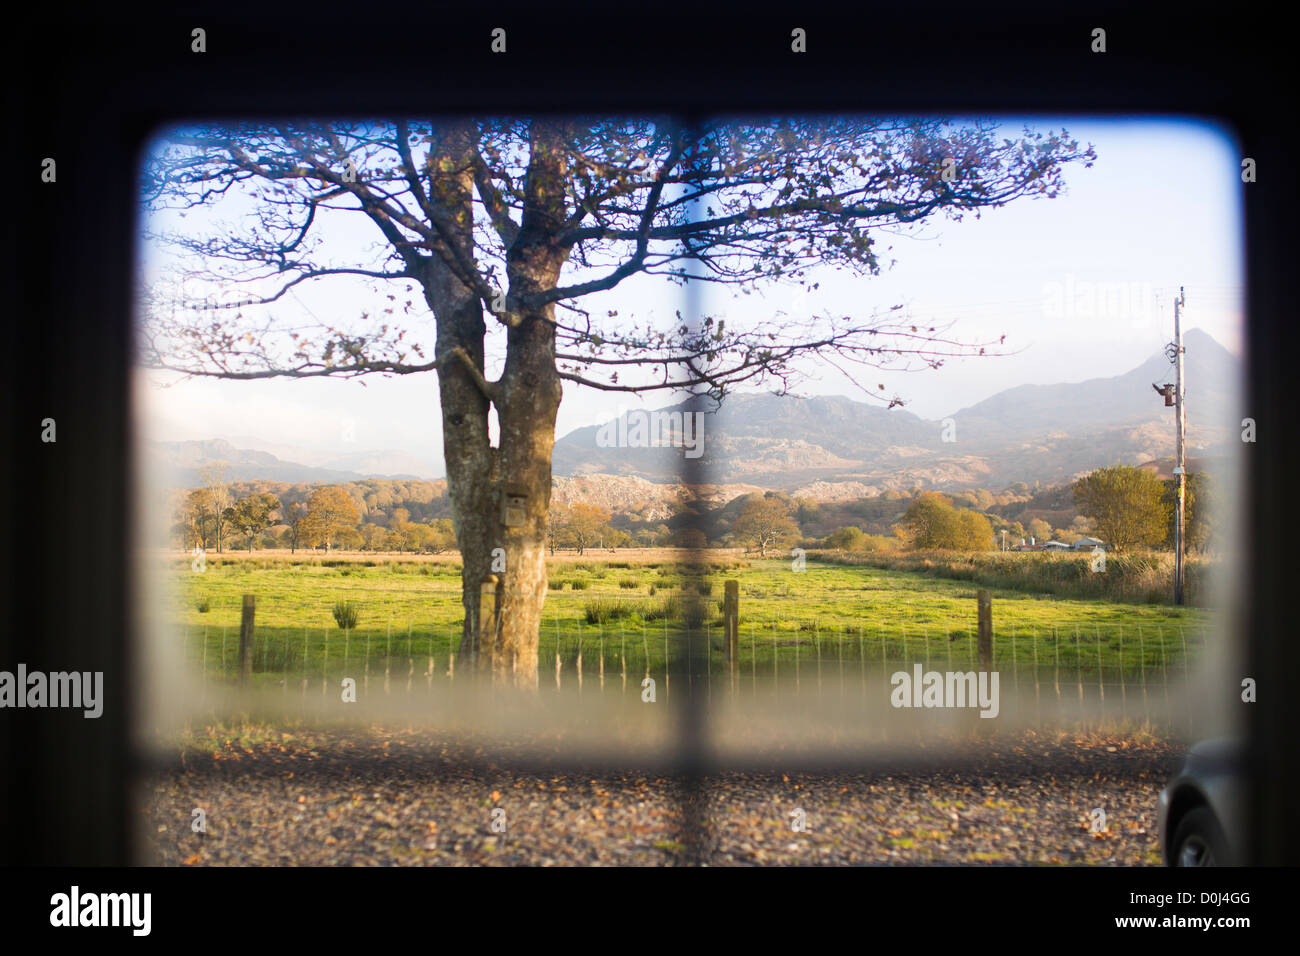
(246, 640)
(731, 622)
(985, 601)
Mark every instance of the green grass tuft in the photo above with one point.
(346, 614)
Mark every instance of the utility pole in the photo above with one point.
(1180, 465)
(1175, 396)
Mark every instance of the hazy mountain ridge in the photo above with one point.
(1047, 433)
(182, 461)
(837, 449)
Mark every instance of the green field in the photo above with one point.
(825, 617)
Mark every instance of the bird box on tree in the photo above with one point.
(514, 511)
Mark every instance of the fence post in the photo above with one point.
(246, 640)
(731, 623)
(985, 602)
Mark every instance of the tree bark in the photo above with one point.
(527, 399)
(467, 452)
(530, 400)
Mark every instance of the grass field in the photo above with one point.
(1144, 577)
(625, 608)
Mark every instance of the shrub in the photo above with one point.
(578, 584)
(346, 614)
(627, 583)
(555, 584)
(652, 590)
(846, 539)
(668, 609)
(203, 605)
(602, 610)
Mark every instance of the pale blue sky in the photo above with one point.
(1160, 207)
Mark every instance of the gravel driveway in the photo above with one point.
(383, 796)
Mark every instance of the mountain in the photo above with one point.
(626, 494)
(384, 464)
(759, 439)
(180, 463)
(835, 448)
(387, 463)
(1101, 404)
(826, 448)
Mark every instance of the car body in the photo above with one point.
(1200, 810)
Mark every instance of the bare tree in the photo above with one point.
(213, 478)
(514, 224)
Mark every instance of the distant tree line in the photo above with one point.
(369, 516)
(1123, 506)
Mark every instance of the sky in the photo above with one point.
(1081, 285)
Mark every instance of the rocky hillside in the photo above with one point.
(631, 495)
(833, 448)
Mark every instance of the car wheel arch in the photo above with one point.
(1182, 801)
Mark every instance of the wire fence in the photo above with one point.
(1043, 674)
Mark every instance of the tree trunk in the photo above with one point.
(530, 400)
(467, 451)
(527, 399)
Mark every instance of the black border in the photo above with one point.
(87, 90)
